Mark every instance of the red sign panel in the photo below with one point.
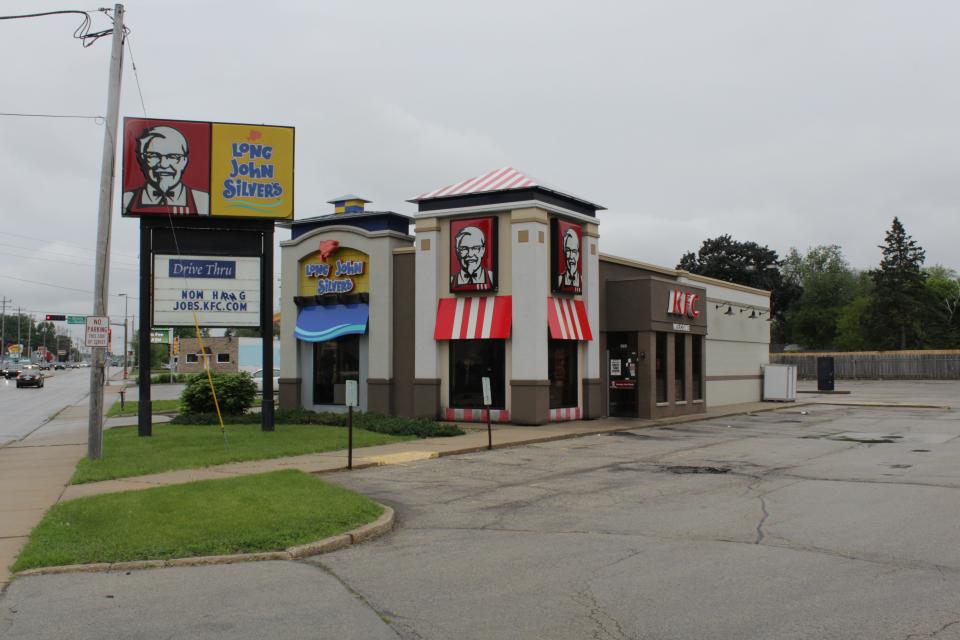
(567, 263)
(473, 255)
(166, 167)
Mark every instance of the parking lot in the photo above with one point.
(808, 522)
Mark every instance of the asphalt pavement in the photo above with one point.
(24, 410)
(808, 522)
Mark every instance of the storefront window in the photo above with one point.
(470, 361)
(562, 370)
(335, 362)
(697, 368)
(679, 367)
(661, 367)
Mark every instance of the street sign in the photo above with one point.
(76, 319)
(352, 393)
(14, 349)
(97, 332)
(487, 399)
(161, 336)
(61, 352)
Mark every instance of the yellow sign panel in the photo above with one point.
(342, 270)
(251, 171)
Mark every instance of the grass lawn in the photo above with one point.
(185, 446)
(130, 407)
(264, 512)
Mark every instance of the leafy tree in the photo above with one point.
(900, 295)
(850, 335)
(746, 263)
(829, 284)
(942, 320)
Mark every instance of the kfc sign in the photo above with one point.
(682, 303)
(473, 255)
(566, 240)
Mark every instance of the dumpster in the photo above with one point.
(825, 373)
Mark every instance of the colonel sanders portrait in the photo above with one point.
(470, 245)
(163, 155)
(570, 278)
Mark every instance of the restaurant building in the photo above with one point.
(503, 279)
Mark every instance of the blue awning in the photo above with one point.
(326, 322)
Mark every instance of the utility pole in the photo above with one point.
(19, 335)
(29, 337)
(3, 328)
(102, 271)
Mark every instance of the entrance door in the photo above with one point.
(622, 373)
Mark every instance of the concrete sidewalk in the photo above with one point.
(35, 472)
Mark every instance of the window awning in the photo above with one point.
(567, 319)
(473, 318)
(320, 323)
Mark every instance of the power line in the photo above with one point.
(18, 235)
(57, 286)
(81, 33)
(128, 263)
(136, 76)
(62, 261)
(99, 119)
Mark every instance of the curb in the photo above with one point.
(379, 527)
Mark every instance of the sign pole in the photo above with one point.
(353, 397)
(144, 408)
(102, 269)
(487, 401)
(266, 327)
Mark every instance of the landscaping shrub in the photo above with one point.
(235, 393)
(167, 378)
(370, 421)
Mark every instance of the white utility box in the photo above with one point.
(780, 382)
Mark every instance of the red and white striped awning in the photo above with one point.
(473, 318)
(567, 319)
(497, 180)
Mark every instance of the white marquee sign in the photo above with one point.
(222, 291)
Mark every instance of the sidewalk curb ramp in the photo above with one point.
(379, 527)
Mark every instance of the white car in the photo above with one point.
(258, 380)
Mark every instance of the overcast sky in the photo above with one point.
(791, 124)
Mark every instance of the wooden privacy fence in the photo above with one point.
(878, 365)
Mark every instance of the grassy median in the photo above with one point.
(183, 446)
(264, 512)
(130, 407)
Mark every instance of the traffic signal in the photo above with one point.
(54, 317)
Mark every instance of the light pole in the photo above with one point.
(124, 334)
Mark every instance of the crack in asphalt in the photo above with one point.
(597, 614)
(356, 594)
(786, 545)
(935, 633)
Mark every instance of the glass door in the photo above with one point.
(622, 373)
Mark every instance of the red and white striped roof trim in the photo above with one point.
(497, 180)
(473, 318)
(567, 319)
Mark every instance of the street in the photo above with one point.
(807, 522)
(24, 410)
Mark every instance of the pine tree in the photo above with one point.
(899, 294)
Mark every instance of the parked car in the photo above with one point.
(30, 377)
(258, 380)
